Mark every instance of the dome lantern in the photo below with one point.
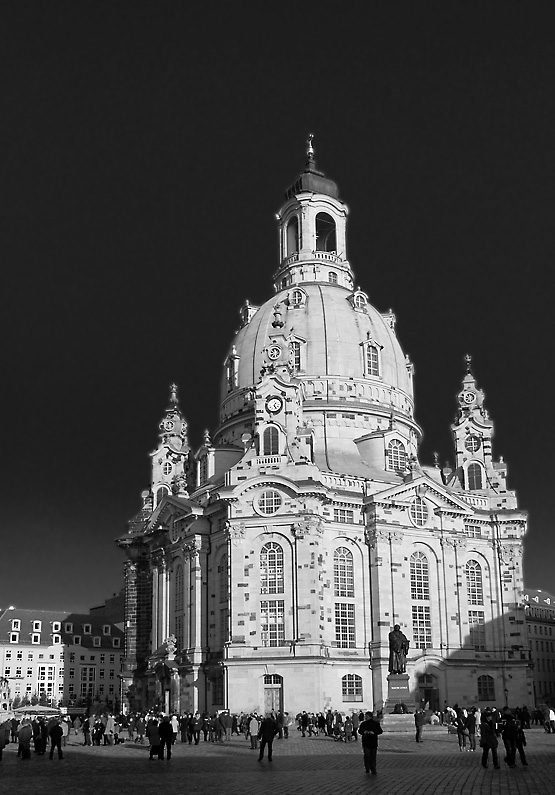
(312, 231)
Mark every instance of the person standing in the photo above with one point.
(166, 738)
(369, 731)
(266, 733)
(253, 731)
(56, 734)
(488, 739)
(153, 733)
(419, 720)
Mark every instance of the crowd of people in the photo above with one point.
(475, 728)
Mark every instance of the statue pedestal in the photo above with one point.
(397, 689)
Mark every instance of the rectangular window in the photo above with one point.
(18, 673)
(179, 637)
(77, 640)
(344, 625)
(35, 638)
(68, 628)
(87, 629)
(102, 659)
(29, 672)
(102, 674)
(224, 625)
(9, 654)
(16, 624)
(106, 629)
(112, 673)
(97, 641)
(72, 673)
(7, 672)
(14, 637)
(421, 627)
(37, 626)
(486, 688)
(218, 691)
(112, 659)
(343, 516)
(272, 622)
(116, 643)
(56, 626)
(473, 531)
(477, 629)
(88, 677)
(56, 639)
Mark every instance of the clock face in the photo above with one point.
(469, 397)
(274, 404)
(168, 425)
(274, 352)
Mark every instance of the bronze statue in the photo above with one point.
(398, 648)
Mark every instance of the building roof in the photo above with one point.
(27, 616)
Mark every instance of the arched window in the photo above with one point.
(203, 470)
(486, 688)
(474, 586)
(332, 276)
(178, 587)
(293, 236)
(222, 576)
(160, 494)
(396, 456)
(325, 233)
(297, 298)
(271, 441)
(418, 512)
(474, 474)
(271, 568)
(343, 572)
(359, 301)
(351, 687)
(419, 576)
(372, 360)
(295, 357)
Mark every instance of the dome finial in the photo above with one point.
(173, 393)
(309, 149)
(468, 360)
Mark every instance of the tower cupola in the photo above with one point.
(312, 231)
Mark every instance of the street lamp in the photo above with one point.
(506, 697)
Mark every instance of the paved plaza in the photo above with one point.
(311, 766)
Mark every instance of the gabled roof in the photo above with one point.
(432, 490)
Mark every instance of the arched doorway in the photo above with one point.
(273, 693)
(428, 692)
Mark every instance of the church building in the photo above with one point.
(267, 569)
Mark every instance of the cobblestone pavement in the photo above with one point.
(311, 766)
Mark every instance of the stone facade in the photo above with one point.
(267, 569)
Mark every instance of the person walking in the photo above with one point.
(488, 739)
(369, 731)
(470, 726)
(266, 733)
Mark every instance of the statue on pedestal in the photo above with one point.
(398, 649)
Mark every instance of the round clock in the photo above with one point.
(469, 397)
(274, 352)
(168, 425)
(274, 404)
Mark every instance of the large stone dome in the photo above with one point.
(334, 334)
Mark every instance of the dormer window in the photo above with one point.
(77, 640)
(14, 637)
(371, 353)
(35, 637)
(37, 626)
(359, 301)
(56, 626)
(16, 624)
(116, 643)
(297, 298)
(372, 360)
(56, 639)
(106, 629)
(396, 456)
(68, 627)
(87, 629)
(332, 277)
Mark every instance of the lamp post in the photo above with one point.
(506, 697)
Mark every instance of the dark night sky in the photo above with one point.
(144, 150)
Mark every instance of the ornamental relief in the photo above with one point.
(235, 532)
(374, 537)
(307, 527)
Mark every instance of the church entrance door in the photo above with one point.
(273, 693)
